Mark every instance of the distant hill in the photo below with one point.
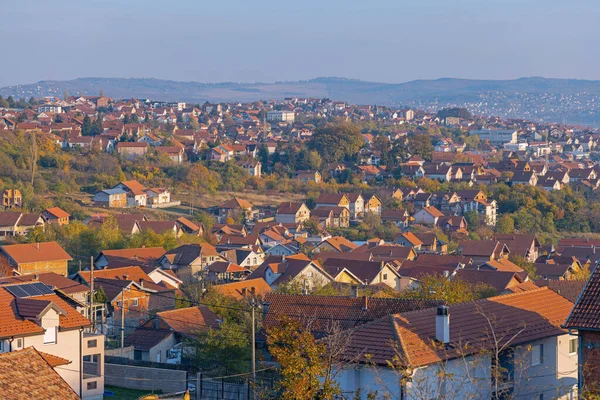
(507, 98)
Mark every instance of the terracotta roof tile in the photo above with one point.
(538, 313)
(349, 312)
(189, 320)
(36, 252)
(12, 323)
(58, 212)
(27, 374)
(242, 289)
(586, 313)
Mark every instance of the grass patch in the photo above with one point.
(127, 394)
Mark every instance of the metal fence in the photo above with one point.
(207, 388)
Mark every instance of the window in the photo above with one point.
(537, 355)
(1, 346)
(91, 365)
(92, 343)
(50, 335)
(573, 346)
(135, 302)
(92, 385)
(385, 277)
(19, 343)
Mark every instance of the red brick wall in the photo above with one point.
(591, 360)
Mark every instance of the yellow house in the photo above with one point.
(373, 204)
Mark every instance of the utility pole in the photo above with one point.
(122, 319)
(253, 305)
(92, 311)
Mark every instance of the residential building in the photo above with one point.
(236, 206)
(356, 204)
(256, 287)
(585, 320)
(11, 198)
(496, 136)
(164, 337)
(143, 257)
(131, 150)
(292, 213)
(293, 270)
(111, 198)
(14, 223)
(308, 176)
(56, 215)
(189, 260)
(428, 216)
(373, 205)
(453, 350)
(33, 258)
(281, 116)
(34, 316)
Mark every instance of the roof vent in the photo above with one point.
(442, 325)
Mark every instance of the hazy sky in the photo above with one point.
(267, 40)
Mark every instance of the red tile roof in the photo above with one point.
(586, 313)
(12, 322)
(27, 374)
(341, 244)
(528, 316)
(36, 252)
(349, 312)
(58, 212)
(189, 320)
(241, 289)
(235, 204)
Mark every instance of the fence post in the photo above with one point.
(199, 386)
(222, 388)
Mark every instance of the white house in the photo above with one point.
(33, 315)
(436, 358)
(428, 216)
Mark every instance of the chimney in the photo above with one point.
(365, 303)
(141, 282)
(442, 325)
(36, 277)
(446, 274)
(37, 244)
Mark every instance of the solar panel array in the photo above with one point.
(29, 289)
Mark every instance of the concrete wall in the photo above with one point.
(126, 352)
(144, 378)
(158, 353)
(555, 377)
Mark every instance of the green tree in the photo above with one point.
(223, 351)
(337, 141)
(526, 265)
(505, 224)
(420, 145)
(86, 127)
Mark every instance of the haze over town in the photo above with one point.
(267, 41)
(352, 226)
